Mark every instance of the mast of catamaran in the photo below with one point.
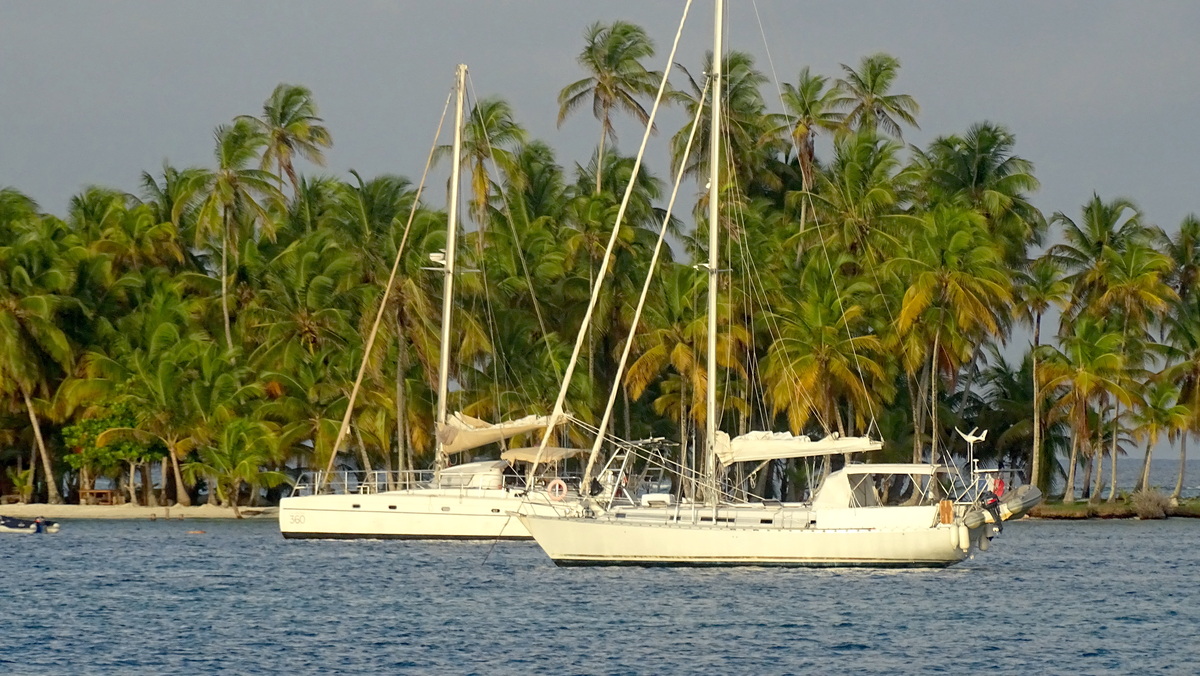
(714, 174)
(448, 265)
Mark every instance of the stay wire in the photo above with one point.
(387, 290)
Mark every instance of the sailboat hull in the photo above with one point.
(608, 542)
(421, 514)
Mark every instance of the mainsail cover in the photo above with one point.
(550, 455)
(754, 446)
(462, 432)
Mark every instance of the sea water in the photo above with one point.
(140, 597)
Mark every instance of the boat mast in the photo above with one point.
(448, 267)
(714, 174)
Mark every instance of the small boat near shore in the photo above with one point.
(11, 524)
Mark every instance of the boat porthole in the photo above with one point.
(445, 509)
(495, 511)
(356, 506)
(391, 506)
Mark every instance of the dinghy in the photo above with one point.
(10, 524)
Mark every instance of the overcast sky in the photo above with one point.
(1102, 96)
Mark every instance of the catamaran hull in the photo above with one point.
(422, 514)
(609, 542)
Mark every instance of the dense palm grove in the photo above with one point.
(211, 322)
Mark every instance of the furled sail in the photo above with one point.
(550, 454)
(462, 432)
(754, 446)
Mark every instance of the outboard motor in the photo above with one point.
(991, 502)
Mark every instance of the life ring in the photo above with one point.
(557, 490)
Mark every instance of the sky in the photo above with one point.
(1102, 96)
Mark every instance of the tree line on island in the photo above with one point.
(212, 321)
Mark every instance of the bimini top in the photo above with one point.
(778, 445)
(854, 484)
(550, 454)
(462, 432)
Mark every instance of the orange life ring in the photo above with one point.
(557, 490)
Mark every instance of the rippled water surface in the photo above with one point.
(146, 597)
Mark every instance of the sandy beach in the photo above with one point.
(30, 511)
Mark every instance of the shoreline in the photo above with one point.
(1053, 511)
(174, 513)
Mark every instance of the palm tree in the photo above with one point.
(33, 282)
(491, 138)
(231, 193)
(150, 371)
(860, 199)
(236, 458)
(1104, 227)
(612, 57)
(1090, 362)
(291, 125)
(958, 287)
(753, 142)
(808, 109)
(824, 354)
(1158, 411)
(1183, 327)
(1040, 288)
(981, 169)
(1183, 355)
(865, 95)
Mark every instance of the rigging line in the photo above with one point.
(608, 253)
(387, 290)
(537, 307)
(805, 202)
(750, 264)
(498, 356)
(771, 323)
(637, 313)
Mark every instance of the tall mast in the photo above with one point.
(714, 175)
(448, 268)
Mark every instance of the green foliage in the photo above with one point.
(80, 439)
(864, 288)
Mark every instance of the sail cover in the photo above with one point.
(462, 432)
(755, 446)
(550, 455)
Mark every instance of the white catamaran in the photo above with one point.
(468, 501)
(894, 515)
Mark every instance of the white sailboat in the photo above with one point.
(468, 501)
(853, 519)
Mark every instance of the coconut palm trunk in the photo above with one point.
(234, 492)
(401, 407)
(1112, 467)
(182, 497)
(1069, 489)
(1035, 475)
(1144, 480)
(54, 497)
(225, 281)
(1182, 465)
(933, 398)
(600, 152)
